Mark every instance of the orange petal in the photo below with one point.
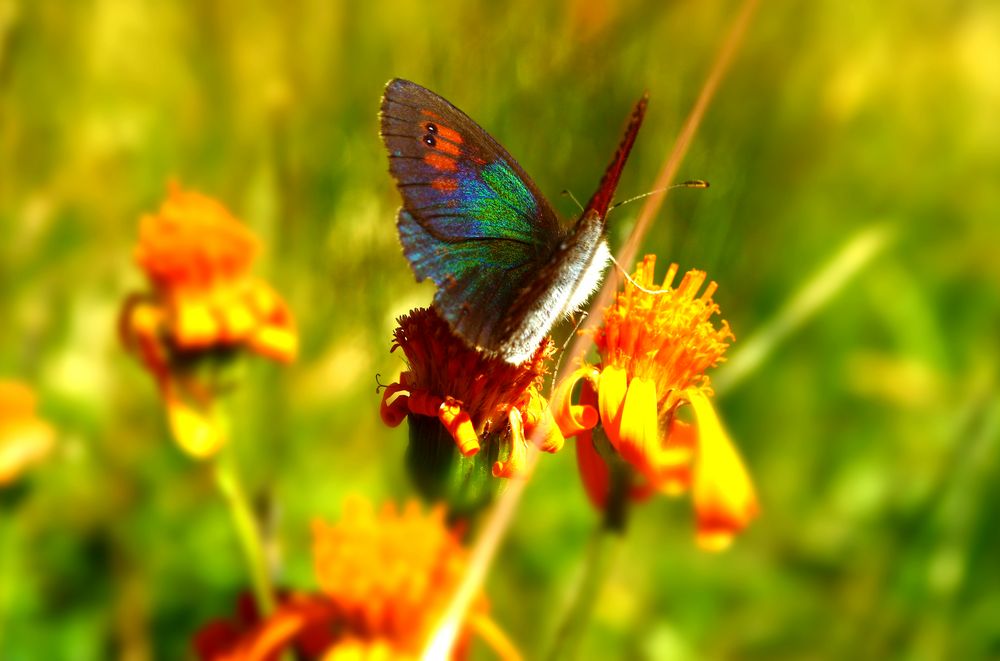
(574, 418)
(639, 434)
(611, 391)
(236, 320)
(724, 496)
(458, 423)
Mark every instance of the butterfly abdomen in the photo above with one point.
(562, 286)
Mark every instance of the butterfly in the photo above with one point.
(505, 267)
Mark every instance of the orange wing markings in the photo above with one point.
(445, 184)
(440, 162)
(448, 148)
(450, 134)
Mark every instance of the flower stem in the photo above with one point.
(248, 532)
(7, 573)
(601, 553)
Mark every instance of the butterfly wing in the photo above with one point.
(472, 220)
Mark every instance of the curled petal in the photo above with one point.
(393, 409)
(518, 448)
(639, 433)
(574, 418)
(458, 423)
(724, 496)
(540, 424)
(611, 400)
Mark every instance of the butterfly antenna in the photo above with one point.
(654, 292)
(693, 183)
(562, 350)
(568, 193)
(378, 382)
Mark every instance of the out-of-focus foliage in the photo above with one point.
(872, 429)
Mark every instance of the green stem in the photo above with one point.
(601, 553)
(248, 533)
(6, 566)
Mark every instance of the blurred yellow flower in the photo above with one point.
(24, 439)
(655, 345)
(472, 393)
(204, 303)
(385, 578)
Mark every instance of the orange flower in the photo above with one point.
(472, 394)
(205, 304)
(385, 579)
(655, 345)
(24, 439)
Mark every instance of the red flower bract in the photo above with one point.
(473, 394)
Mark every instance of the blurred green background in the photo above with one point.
(871, 424)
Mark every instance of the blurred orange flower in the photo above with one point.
(655, 345)
(473, 394)
(385, 578)
(204, 304)
(24, 439)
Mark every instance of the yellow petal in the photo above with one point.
(195, 431)
(724, 498)
(574, 418)
(275, 342)
(236, 319)
(610, 401)
(23, 443)
(639, 434)
(194, 324)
